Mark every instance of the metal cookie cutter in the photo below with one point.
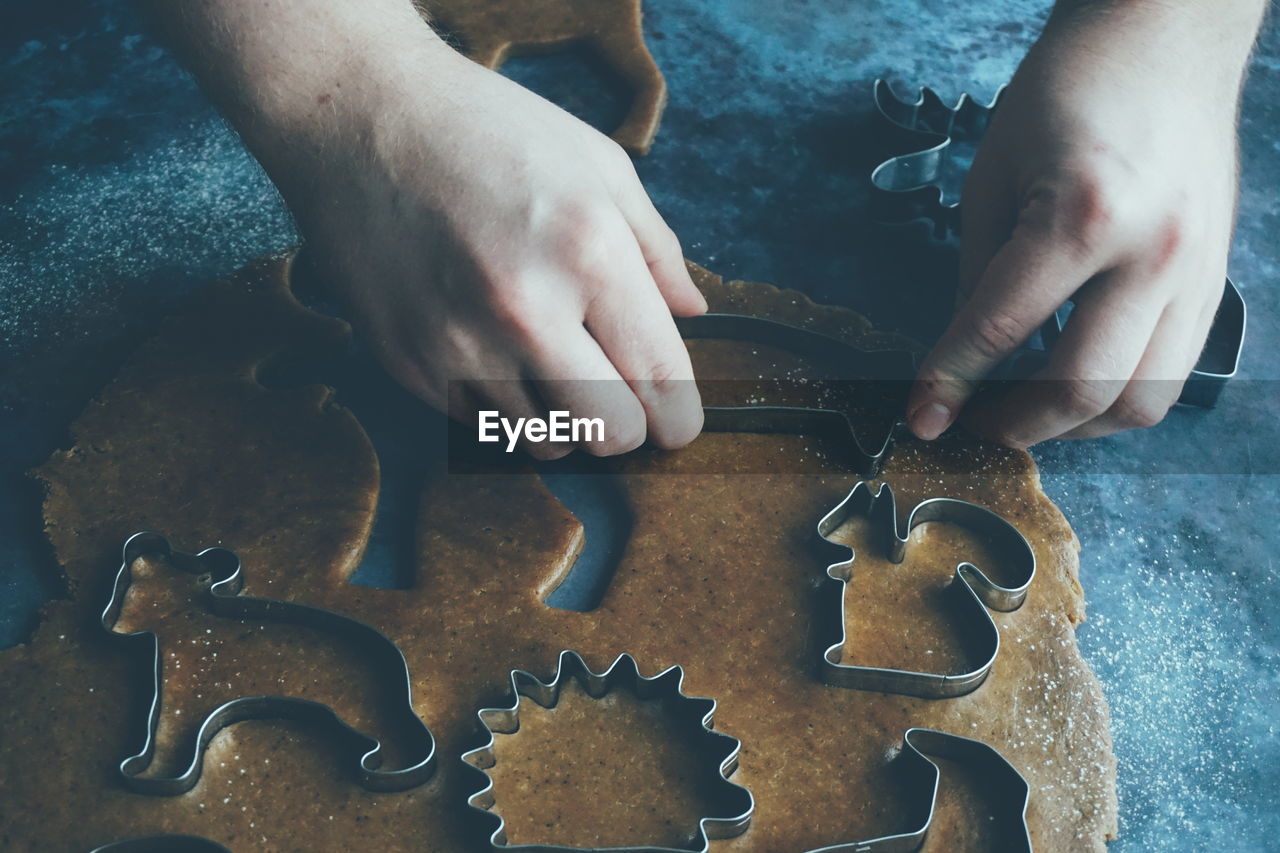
(889, 372)
(972, 592)
(919, 135)
(735, 801)
(223, 566)
(1002, 779)
(162, 844)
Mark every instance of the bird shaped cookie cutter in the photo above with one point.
(735, 805)
(222, 570)
(919, 138)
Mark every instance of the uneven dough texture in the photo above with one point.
(719, 575)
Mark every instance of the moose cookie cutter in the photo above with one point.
(224, 599)
(972, 592)
(920, 135)
(734, 801)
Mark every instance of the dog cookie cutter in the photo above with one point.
(162, 844)
(887, 372)
(735, 801)
(919, 136)
(971, 591)
(227, 579)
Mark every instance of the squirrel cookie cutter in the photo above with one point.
(919, 135)
(224, 599)
(734, 801)
(972, 592)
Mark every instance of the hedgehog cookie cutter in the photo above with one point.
(919, 137)
(972, 592)
(735, 804)
(223, 598)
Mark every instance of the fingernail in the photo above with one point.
(930, 420)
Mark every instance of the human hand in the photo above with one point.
(500, 254)
(1107, 177)
(496, 251)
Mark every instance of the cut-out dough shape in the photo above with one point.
(493, 30)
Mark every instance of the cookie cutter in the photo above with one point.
(919, 140)
(162, 844)
(888, 372)
(971, 591)
(1002, 779)
(224, 599)
(736, 801)
(918, 136)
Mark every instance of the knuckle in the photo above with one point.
(456, 336)
(586, 238)
(994, 334)
(615, 157)
(1168, 242)
(1138, 412)
(511, 301)
(668, 243)
(1085, 398)
(1083, 208)
(664, 379)
(1091, 214)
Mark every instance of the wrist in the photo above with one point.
(310, 85)
(1203, 45)
(335, 107)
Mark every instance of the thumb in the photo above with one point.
(1038, 268)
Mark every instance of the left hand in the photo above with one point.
(1107, 177)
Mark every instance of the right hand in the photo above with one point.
(496, 251)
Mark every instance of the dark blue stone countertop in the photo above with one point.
(121, 190)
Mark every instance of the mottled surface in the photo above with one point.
(120, 188)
